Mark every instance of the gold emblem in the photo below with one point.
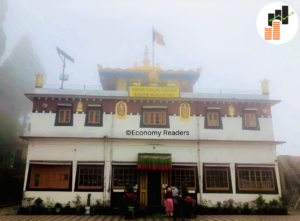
(231, 110)
(185, 113)
(44, 105)
(79, 106)
(121, 110)
(153, 77)
(265, 111)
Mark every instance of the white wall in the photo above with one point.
(43, 125)
(184, 151)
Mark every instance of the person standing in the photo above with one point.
(169, 202)
(178, 202)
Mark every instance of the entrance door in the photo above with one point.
(154, 188)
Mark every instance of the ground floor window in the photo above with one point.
(256, 179)
(49, 177)
(124, 175)
(216, 179)
(184, 175)
(90, 177)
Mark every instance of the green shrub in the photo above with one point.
(260, 201)
(38, 202)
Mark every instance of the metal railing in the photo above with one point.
(196, 90)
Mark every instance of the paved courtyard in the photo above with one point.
(121, 218)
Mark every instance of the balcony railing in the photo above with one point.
(196, 90)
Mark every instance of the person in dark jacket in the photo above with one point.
(178, 202)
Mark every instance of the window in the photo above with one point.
(216, 179)
(154, 118)
(184, 175)
(250, 120)
(64, 115)
(212, 119)
(124, 175)
(49, 177)
(90, 177)
(94, 116)
(256, 179)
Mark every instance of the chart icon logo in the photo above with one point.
(277, 23)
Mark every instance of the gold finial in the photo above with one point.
(231, 110)
(79, 106)
(39, 80)
(146, 58)
(137, 84)
(170, 85)
(265, 86)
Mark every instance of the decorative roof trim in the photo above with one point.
(90, 163)
(256, 165)
(217, 165)
(50, 162)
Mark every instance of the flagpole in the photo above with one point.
(153, 47)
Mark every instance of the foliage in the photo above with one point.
(67, 205)
(190, 200)
(283, 200)
(28, 200)
(130, 199)
(77, 200)
(38, 202)
(260, 201)
(230, 202)
(49, 202)
(58, 205)
(203, 203)
(253, 203)
(266, 205)
(99, 203)
(129, 188)
(246, 205)
(184, 190)
(225, 204)
(239, 205)
(219, 204)
(273, 203)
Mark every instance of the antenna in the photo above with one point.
(63, 77)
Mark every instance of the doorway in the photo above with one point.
(154, 188)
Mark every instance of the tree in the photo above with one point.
(3, 10)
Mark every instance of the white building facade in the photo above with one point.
(95, 141)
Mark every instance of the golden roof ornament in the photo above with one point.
(39, 80)
(170, 85)
(79, 106)
(231, 110)
(121, 110)
(265, 86)
(137, 84)
(185, 112)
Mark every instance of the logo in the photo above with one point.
(277, 23)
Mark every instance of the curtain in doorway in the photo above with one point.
(153, 161)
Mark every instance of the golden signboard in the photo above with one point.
(154, 92)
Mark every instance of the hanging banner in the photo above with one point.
(154, 92)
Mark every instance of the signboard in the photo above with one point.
(66, 77)
(167, 92)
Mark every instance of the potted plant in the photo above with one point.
(273, 206)
(99, 206)
(28, 200)
(246, 209)
(67, 208)
(225, 207)
(231, 208)
(38, 203)
(49, 204)
(283, 204)
(239, 207)
(77, 202)
(203, 207)
(190, 207)
(266, 209)
(58, 207)
(253, 205)
(220, 208)
(260, 202)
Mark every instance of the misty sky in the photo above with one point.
(219, 36)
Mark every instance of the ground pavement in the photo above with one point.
(121, 218)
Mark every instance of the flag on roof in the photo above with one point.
(158, 38)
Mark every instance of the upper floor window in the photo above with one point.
(155, 117)
(250, 119)
(64, 115)
(213, 118)
(94, 116)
